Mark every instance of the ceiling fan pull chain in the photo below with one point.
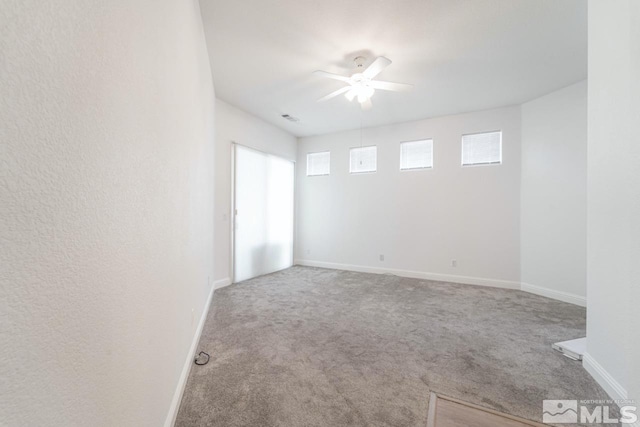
(361, 114)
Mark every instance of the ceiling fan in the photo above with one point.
(361, 84)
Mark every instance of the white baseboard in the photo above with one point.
(553, 294)
(182, 382)
(221, 283)
(496, 283)
(602, 377)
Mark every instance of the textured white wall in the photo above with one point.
(235, 125)
(106, 209)
(419, 220)
(613, 207)
(554, 193)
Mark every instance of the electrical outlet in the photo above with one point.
(381, 257)
(454, 263)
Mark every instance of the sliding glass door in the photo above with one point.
(263, 225)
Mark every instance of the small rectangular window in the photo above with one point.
(318, 163)
(416, 154)
(482, 148)
(363, 159)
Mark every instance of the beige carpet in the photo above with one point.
(316, 347)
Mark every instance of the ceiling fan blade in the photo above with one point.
(378, 65)
(396, 87)
(331, 76)
(366, 105)
(335, 93)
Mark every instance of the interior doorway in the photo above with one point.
(263, 213)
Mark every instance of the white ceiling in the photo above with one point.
(461, 55)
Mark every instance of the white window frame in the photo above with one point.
(499, 162)
(418, 168)
(363, 172)
(329, 162)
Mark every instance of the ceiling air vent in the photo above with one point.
(290, 118)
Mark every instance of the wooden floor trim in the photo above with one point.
(433, 402)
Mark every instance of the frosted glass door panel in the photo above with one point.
(264, 214)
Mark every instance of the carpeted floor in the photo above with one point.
(316, 347)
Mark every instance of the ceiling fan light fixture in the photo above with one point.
(361, 91)
(368, 91)
(351, 94)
